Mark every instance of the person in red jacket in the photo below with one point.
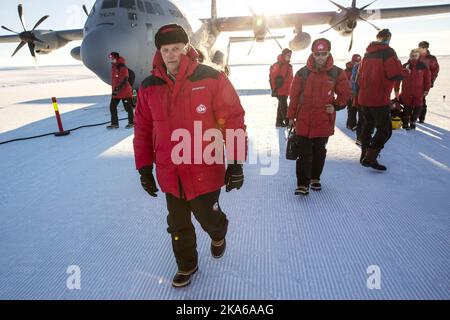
(431, 61)
(121, 90)
(414, 88)
(187, 98)
(352, 110)
(281, 76)
(319, 89)
(379, 70)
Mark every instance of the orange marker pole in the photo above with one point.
(58, 119)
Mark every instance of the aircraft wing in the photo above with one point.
(406, 12)
(276, 21)
(9, 39)
(71, 35)
(68, 35)
(247, 39)
(245, 23)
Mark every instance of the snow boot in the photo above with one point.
(112, 126)
(413, 126)
(129, 126)
(316, 185)
(182, 278)
(302, 190)
(218, 248)
(370, 160)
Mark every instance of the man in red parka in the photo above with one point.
(281, 76)
(431, 61)
(318, 90)
(379, 70)
(183, 96)
(415, 88)
(121, 90)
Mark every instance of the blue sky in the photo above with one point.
(68, 14)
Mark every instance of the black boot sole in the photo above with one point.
(187, 282)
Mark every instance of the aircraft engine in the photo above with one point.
(301, 41)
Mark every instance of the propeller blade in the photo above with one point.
(378, 29)
(9, 30)
(85, 10)
(276, 40)
(31, 47)
(249, 51)
(354, 4)
(39, 22)
(21, 44)
(20, 10)
(343, 20)
(367, 5)
(338, 5)
(351, 43)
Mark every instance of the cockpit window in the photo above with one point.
(109, 4)
(149, 8)
(140, 5)
(128, 4)
(158, 9)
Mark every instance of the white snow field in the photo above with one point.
(77, 201)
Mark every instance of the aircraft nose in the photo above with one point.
(97, 45)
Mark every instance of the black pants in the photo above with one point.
(378, 118)
(128, 105)
(423, 112)
(282, 111)
(311, 161)
(207, 211)
(410, 115)
(352, 112)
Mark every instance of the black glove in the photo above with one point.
(115, 92)
(234, 177)
(148, 181)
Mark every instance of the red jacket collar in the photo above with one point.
(311, 64)
(376, 46)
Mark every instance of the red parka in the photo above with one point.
(379, 70)
(283, 70)
(312, 120)
(119, 74)
(432, 63)
(199, 94)
(415, 84)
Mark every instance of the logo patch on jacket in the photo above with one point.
(198, 88)
(201, 109)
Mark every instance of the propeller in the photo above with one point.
(352, 14)
(85, 10)
(26, 37)
(260, 19)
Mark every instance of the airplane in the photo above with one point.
(129, 26)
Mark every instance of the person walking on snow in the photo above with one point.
(121, 90)
(379, 70)
(319, 89)
(431, 61)
(178, 95)
(352, 110)
(281, 76)
(415, 88)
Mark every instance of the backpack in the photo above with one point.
(131, 76)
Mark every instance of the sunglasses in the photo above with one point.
(321, 54)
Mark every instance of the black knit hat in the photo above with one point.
(114, 55)
(286, 51)
(424, 44)
(384, 34)
(169, 34)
